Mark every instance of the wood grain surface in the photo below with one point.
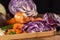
(57, 37)
(28, 36)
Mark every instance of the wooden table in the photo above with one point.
(57, 37)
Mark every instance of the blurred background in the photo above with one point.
(42, 5)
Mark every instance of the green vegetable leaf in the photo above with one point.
(11, 33)
(7, 27)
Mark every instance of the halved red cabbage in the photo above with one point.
(37, 26)
(46, 27)
(50, 18)
(57, 17)
(49, 22)
(26, 6)
(31, 27)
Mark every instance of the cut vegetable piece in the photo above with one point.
(11, 21)
(50, 18)
(38, 18)
(37, 26)
(7, 27)
(18, 31)
(17, 26)
(26, 6)
(10, 32)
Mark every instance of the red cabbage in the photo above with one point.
(50, 18)
(37, 26)
(57, 17)
(26, 6)
(48, 23)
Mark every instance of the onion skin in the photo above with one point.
(2, 20)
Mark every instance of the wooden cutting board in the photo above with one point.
(28, 35)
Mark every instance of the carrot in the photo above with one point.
(13, 31)
(17, 26)
(29, 19)
(10, 31)
(32, 19)
(18, 31)
(38, 18)
(11, 21)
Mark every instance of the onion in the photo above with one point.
(2, 20)
(2, 10)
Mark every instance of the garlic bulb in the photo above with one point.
(2, 32)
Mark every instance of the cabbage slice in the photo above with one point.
(26, 6)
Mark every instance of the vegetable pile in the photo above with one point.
(25, 19)
(20, 23)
